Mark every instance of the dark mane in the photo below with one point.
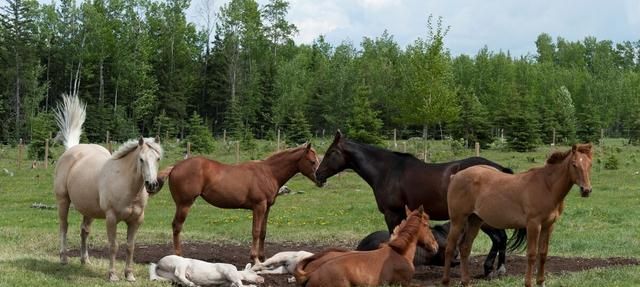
(400, 155)
(558, 157)
(406, 234)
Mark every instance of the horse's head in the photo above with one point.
(580, 167)
(251, 276)
(425, 236)
(334, 160)
(308, 163)
(149, 155)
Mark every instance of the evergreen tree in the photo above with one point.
(521, 131)
(297, 129)
(472, 123)
(199, 135)
(364, 125)
(588, 125)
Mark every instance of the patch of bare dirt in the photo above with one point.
(425, 275)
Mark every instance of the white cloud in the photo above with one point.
(377, 4)
(317, 18)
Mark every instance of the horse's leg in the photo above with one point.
(263, 234)
(502, 252)
(132, 229)
(85, 229)
(457, 227)
(259, 211)
(63, 213)
(393, 218)
(182, 210)
(498, 248)
(533, 234)
(545, 235)
(473, 226)
(112, 224)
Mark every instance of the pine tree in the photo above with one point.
(472, 124)
(199, 136)
(521, 130)
(588, 125)
(364, 125)
(298, 129)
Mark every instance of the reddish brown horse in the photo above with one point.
(392, 263)
(249, 185)
(533, 200)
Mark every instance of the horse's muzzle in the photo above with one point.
(585, 192)
(154, 187)
(320, 182)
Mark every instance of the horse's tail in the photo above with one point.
(153, 275)
(70, 116)
(518, 239)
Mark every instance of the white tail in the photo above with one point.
(70, 117)
(152, 272)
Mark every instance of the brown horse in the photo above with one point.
(392, 263)
(533, 200)
(249, 185)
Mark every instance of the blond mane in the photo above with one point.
(131, 145)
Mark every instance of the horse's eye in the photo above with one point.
(157, 159)
(141, 160)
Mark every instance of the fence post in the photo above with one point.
(553, 143)
(20, 154)
(395, 143)
(46, 153)
(109, 143)
(224, 136)
(188, 149)
(426, 152)
(278, 142)
(237, 151)
(477, 149)
(405, 146)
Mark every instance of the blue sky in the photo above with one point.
(499, 24)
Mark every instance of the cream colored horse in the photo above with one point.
(100, 185)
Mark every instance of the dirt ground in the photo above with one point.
(424, 276)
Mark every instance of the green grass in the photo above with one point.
(604, 225)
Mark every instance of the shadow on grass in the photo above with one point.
(55, 269)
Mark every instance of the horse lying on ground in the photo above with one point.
(282, 263)
(391, 264)
(533, 200)
(100, 185)
(193, 272)
(440, 232)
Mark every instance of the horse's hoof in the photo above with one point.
(445, 282)
(291, 280)
(113, 277)
(541, 284)
(501, 270)
(130, 277)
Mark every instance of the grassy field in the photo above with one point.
(604, 225)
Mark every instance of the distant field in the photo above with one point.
(606, 224)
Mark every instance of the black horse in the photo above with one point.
(422, 257)
(400, 179)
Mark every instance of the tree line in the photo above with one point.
(143, 68)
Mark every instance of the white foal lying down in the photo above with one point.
(281, 263)
(192, 272)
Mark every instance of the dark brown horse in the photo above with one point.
(400, 179)
(533, 200)
(249, 185)
(392, 263)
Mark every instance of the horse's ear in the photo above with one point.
(421, 209)
(140, 141)
(248, 266)
(156, 139)
(338, 136)
(407, 211)
(574, 147)
(308, 146)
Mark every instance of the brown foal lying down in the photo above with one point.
(392, 263)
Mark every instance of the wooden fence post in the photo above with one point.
(46, 153)
(237, 151)
(278, 142)
(109, 143)
(224, 136)
(20, 147)
(477, 149)
(404, 143)
(426, 152)
(553, 143)
(188, 149)
(395, 143)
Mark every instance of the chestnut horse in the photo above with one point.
(533, 200)
(100, 185)
(249, 185)
(392, 263)
(400, 179)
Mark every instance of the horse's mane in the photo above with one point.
(131, 145)
(558, 156)
(280, 154)
(406, 233)
(400, 155)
